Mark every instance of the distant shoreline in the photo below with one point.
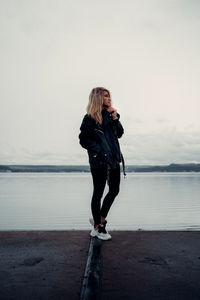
(190, 167)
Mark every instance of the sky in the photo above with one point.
(52, 53)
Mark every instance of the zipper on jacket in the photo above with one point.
(99, 130)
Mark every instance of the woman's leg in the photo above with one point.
(99, 176)
(113, 190)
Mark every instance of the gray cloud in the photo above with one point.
(152, 148)
(168, 147)
(54, 53)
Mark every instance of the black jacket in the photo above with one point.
(101, 141)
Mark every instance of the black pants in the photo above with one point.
(99, 176)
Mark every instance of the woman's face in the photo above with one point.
(106, 99)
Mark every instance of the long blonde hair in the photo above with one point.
(95, 104)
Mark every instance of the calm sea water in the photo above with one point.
(61, 201)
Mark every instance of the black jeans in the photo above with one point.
(99, 176)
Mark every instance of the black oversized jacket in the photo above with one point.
(101, 140)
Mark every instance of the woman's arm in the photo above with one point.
(86, 137)
(118, 128)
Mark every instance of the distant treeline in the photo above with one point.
(166, 168)
(75, 168)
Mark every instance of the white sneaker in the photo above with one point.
(104, 236)
(99, 234)
(94, 232)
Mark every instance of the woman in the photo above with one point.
(100, 130)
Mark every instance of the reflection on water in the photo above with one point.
(61, 201)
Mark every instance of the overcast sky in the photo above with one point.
(146, 52)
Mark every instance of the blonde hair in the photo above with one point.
(95, 104)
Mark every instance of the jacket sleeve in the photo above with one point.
(86, 137)
(118, 128)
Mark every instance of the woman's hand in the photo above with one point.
(113, 112)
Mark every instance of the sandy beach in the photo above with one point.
(135, 265)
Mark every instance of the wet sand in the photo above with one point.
(42, 264)
(135, 265)
(144, 265)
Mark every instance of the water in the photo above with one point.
(61, 201)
